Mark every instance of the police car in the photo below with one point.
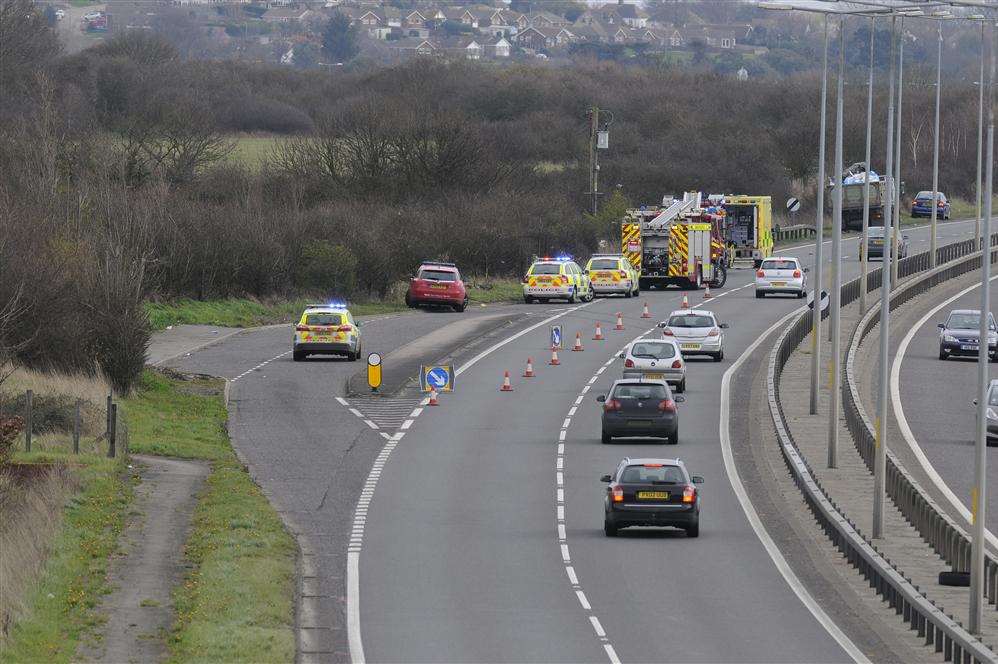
(556, 279)
(326, 329)
(612, 273)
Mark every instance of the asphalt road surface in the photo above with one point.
(937, 396)
(478, 535)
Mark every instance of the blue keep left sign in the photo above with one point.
(440, 378)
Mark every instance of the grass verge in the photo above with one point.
(242, 312)
(236, 603)
(494, 291)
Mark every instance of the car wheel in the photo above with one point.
(408, 302)
(527, 299)
(759, 295)
(681, 387)
(801, 294)
(461, 307)
(674, 438)
(629, 293)
(609, 529)
(693, 530)
(606, 438)
(298, 355)
(943, 355)
(719, 357)
(591, 294)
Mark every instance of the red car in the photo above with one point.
(437, 284)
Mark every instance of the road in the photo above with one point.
(462, 547)
(937, 397)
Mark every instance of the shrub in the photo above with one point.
(327, 268)
(49, 412)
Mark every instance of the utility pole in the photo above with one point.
(935, 148)
(864, 241)
(980, 138)
(594, 156)
(896, 224)
(819, 231)
(835, 301)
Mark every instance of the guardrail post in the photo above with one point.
(27, 420)
(76, 428)
(112, 430)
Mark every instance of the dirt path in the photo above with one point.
(140, 609)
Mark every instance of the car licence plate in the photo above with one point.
(639, 423)
(779, 284)
(969, 347)
(438, 286)
(654, 376)
(653, 495)
(689, 346)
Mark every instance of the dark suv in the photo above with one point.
(652, 492)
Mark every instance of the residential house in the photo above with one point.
(501, 23)
(411, 47)
(414, 19)
(502, 48)
(285, 15)
(546, 20)
(628, 14)
(464, 47)
(541, 38)
(674, 38)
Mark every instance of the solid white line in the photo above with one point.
(406, 424)
(343, 402)
(561, 532)
(416, 413)
(597, 627)
(571, 411)
(561, 448)
(564, 553)
(562, 434)
(611, 653)
(561, 512)
(583, 601)
(753, 517)
(560, 479)
(356, 412)
(371, 424)
(561, 495)
(560, 462)
(353, 608)
(905, 429)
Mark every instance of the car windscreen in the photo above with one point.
(653, 351)
(545, 268)
(641, 392)
(691, 320)
(967, 322)
(604, 264)
(437, 275)
(653, 475)
(779, 265)
(876, 231)
(324, 319)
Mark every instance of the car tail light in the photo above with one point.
(653, 465)
(623, 274)
(345, 328)
(760, 273)
(689, 494)
(629, 363)
(301, 328)
(618, 494)
(612, 405)
(796, 274)
(678, 364)
(668, 332)
(667, 406)
(714, 332)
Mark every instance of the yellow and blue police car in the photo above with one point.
(556, 279)
(326, 329)
(612, 273)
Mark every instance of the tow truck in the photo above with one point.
(679, 243)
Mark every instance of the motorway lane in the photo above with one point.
(937, 398)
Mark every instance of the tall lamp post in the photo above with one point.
(863, 249)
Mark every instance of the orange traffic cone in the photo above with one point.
(554, 356)
(506, 387)
(706, 293)
(529, 373)
(433, 397)
(599, 333)
(578, 342)
(686, 302)
(646, 313)
(620, 321)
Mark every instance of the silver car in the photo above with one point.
(697, 331)
(781, 274)
(991, 413)
(656, 359)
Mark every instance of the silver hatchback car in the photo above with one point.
(656, 359)
(697, 331)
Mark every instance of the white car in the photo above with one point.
(656, 359)
(60, 14)
(781, 274)
(697, 331)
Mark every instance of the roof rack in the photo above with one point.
(441, 263)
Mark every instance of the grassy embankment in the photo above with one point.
(235, 603)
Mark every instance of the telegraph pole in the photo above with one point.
(819, 226)
(594, 156)
(836, 299)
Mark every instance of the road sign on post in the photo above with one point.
(374, 371)
(793, 204)
(439, 378)
(557, 338)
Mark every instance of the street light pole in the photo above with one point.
(935, 146)
(895, 222)
(819, 228)
(980, 139)
(836, 290)
(979, 491)
(880, 460)
(866, 185)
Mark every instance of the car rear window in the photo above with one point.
(324, 319)
(653, 475)
(437, 275)
(924, 196)
(967, 322)
(779, 265)
(643, 392)
(876, 231)
(604, 264)
(691, 320)
(545, 268)
(658, 351)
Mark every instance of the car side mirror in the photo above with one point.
(663, 324)
(601, 398)
(621, 356)
(697, 479)
(940, 326)
(975, 402)
(679, 398)
(606, 478)
(723, 326)
(806, 270)
(360, 324)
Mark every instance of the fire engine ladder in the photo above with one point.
(691, 200)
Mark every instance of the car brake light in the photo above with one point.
(611, 405)
(652, 465)
(667, 332)
(667, 406)
(714, 332)
(678, 364)
(345, 328)
(760, 273)
(689, 494)
(618, 494)
(796, 274)
(628, 363)
(301, 328)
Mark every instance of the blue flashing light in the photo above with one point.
(563, 257)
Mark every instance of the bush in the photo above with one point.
(326, 268)
(49, 412)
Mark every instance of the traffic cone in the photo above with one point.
(646, 313)
(706, 293)
(578, 342)
(599, 333)
(620, 321)
(686, 302)
(433, 397)
(554, 356)
(529, 373)
(506, 387)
